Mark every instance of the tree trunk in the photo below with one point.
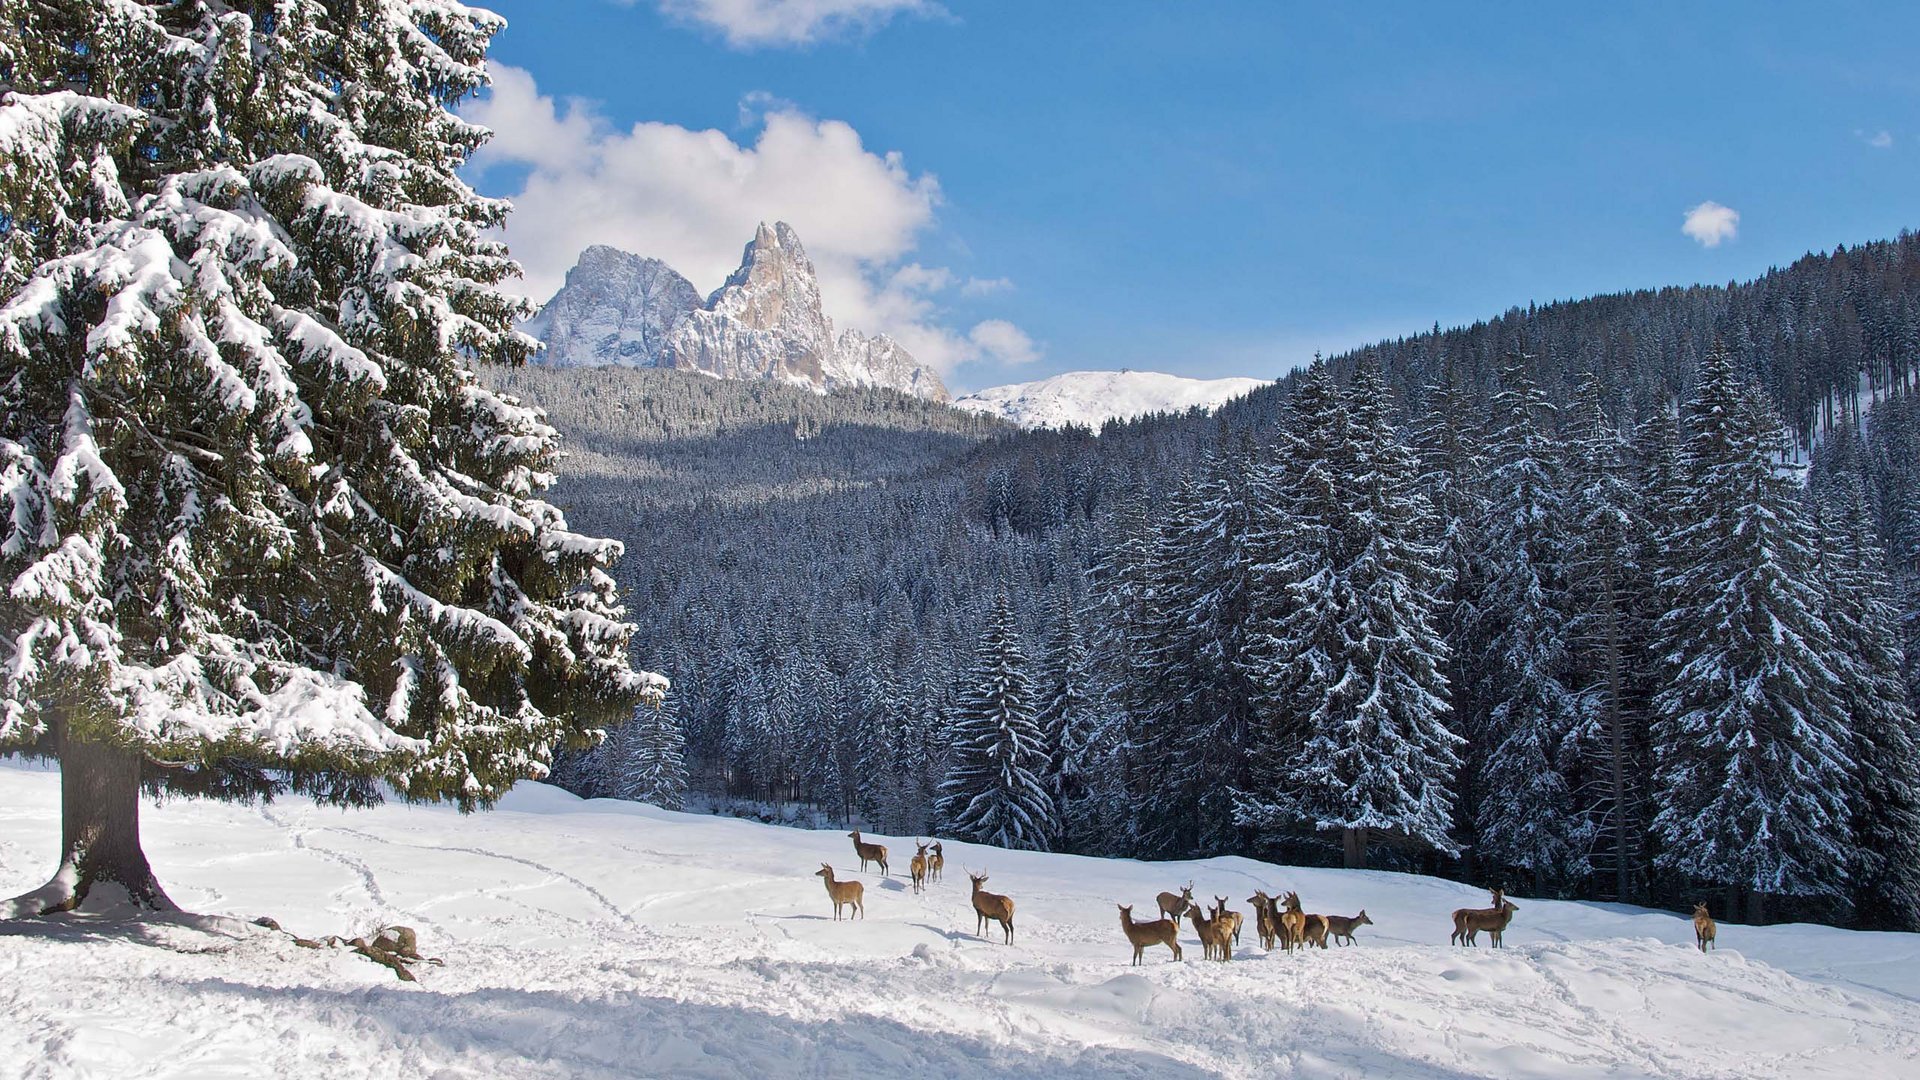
(1756, 907)
(1354, 843)
(99, 834)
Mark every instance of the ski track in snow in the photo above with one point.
(611, 940)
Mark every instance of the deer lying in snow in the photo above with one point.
(1468, 922)
(1174, 905)
(1342, 927)
(992, 906)
(843, 893)
(1232, 917)
(1266, 918)
(869, 853)
(1703, 928)
(1142, 934)
(918, 867)
(1214, 938)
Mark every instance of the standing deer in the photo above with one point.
(876, 853)
(1468, 922)
(1342, 927)
(1174, 905)
(1703, 928)
(936, 863)
(1316, 930)
(1293, 923)
(1214, 939)
(1266, 918)
(843, 893)
(1142, 934)
(918, 867)
(992, 906)
(1232, 917)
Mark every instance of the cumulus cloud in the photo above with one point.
(751, 24)
(985, 286)
(1710, 223)
(693, 199)
(1000, 340)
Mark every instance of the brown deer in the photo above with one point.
(843, 893)
(1232, 917)
(1266, 918)
(1142, 934)
(936, 863)
(869, 853)
(992, 906)
(1703, 928)
(918, 867)
(1214, 939)
(1174, 905)
(1342, 927)
(1468, 922)
(1293, 923)
(1316, 931)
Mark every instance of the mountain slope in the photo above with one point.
(1091, 398)
(603, 939)
(765, 323)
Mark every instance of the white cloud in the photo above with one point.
(1879, 140)
(1000, 340)
(1710, 223)
(974, 286)
(693, 198)
(749, 24)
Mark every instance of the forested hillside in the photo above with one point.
(1612, 598)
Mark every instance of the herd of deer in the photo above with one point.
(1277, 920)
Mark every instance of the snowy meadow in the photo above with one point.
(610, 939)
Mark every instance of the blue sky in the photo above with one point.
(1212, 188)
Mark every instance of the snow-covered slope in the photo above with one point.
(765, 322)
(1091, 398)
(613, 940)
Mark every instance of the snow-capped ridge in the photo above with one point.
(1091, 398)
(765, 322)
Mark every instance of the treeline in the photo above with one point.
(1471, 602)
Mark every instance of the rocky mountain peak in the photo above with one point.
(765, 322)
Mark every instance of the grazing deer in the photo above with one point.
(1342, 927)
(1214, 939)
(1232, 917)
(992, 906)
(1266, 918)
(918, 867)
(1142, 934)
(876, 853)
(936, 863)
(1468, 922)
(1293, 923)
(1174, 905)
(1703, 928)
(843, 893)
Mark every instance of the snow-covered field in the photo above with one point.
(605, 939)
(1091, 398)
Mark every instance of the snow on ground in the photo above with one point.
(1091, 398)
(603, 939)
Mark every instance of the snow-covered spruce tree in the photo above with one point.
(1751, 766)
(264, 530)
(1607, 588)
(651, 765)
(1065, 718)
(994, 792)
(1880, 718)
(1346, 638)
(1525, 818)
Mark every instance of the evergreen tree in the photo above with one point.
(1525, 818)
(1065, 719)
(1752, 772)
(994, 792)
(264, 525)
(651, 764)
